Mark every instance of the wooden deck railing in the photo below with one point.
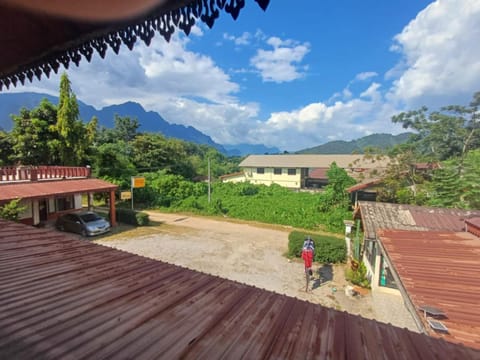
(34, 173)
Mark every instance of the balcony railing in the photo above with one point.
(35, 173)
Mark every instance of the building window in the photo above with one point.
(260, 170)
(277, 171)
(65, 203)
(371, 252)
(386, 277)
(292, 171)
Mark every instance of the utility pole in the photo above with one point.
(209, 180)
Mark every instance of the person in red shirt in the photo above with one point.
(308, 253)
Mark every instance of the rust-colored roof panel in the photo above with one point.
(378, 215)
(318, 173)
(440, 269)
(41, 189)
(66, 298)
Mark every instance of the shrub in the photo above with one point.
(142, 218)
(327, 249)
(12, 210)
(357, 274)
(132, 217)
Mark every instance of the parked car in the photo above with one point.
(86, 223)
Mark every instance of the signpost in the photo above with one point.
(137, 182)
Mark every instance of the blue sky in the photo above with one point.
(298, 75)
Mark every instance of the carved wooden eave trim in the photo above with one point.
(82, 39)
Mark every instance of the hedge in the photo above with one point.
(132, 217)
(328, 249)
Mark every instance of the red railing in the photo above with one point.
(34, 173)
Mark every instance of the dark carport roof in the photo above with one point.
(67, 298)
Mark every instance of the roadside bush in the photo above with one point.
(328, 249)
(132, 217)
(357, 274)
(142, 218)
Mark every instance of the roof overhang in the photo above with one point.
(38, 38)
(43, 189)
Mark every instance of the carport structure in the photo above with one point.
(48, 191)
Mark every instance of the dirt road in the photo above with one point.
(242, 252)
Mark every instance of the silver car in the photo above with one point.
(85, 223)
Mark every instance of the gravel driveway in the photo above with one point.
(254, 255)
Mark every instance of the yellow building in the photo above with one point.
(296, 171)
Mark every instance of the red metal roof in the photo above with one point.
(440, 269)
(67, 298)
(378, 215)
(41, 189)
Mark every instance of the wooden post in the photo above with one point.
(113, 220)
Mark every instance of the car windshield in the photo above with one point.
(90, 217)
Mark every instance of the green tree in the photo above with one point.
(33, 136)
(6, 148)
(471, 178)
(126, 128)
(451, 132)
(72, 142)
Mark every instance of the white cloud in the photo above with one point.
(317, 123)
(243, 39)
(283, 63)
(440, 54)
(365, 75)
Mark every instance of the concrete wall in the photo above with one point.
(268, 177)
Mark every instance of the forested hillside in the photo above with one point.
(376, 141)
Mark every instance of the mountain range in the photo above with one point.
(151, 121)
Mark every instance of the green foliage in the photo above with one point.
(12, 210)
(328, 249)
(358, 275)
(142, 218)
(132, 217)
(451, 132)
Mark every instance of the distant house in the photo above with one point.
(49, 191)
(429, 256)
(305, 171)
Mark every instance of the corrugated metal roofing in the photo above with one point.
(314, 161)
(378, 215)
(71, 299)
(41, 189)
(440, 269)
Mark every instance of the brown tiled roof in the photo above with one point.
(314, 161)
(378, 215)
(67, 298)
(41, 189)
(364, 185)
(440, 269)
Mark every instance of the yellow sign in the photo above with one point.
(138, 182)
(125, 195)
